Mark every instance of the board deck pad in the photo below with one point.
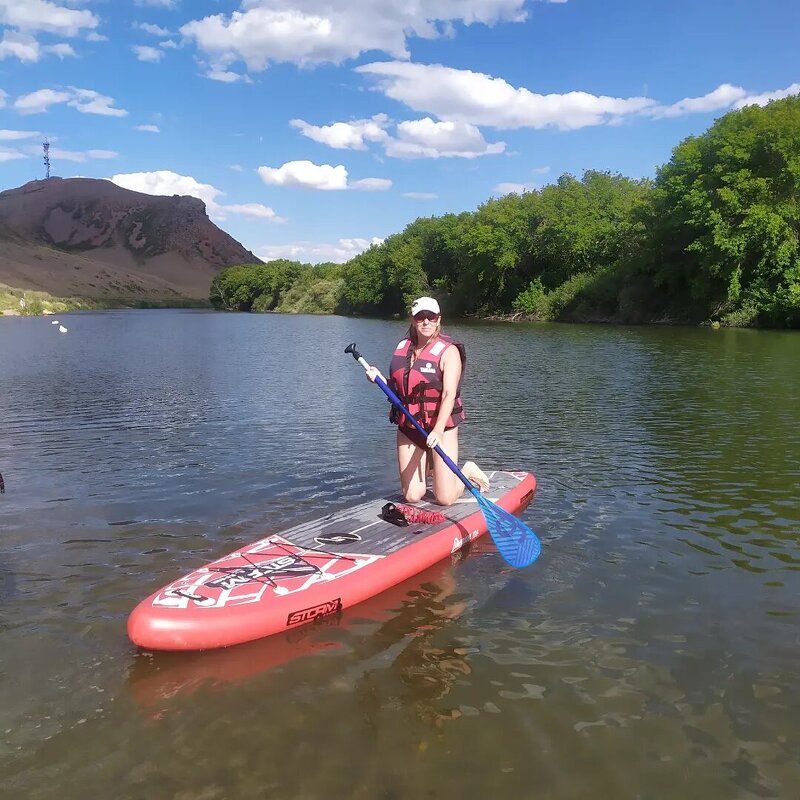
(312, 570)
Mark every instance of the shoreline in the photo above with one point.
(57, 305)
(39, 303)
(15, 302)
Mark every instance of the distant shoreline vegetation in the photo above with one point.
(24, 303)
(714, 239)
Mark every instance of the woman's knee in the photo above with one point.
(413, 494)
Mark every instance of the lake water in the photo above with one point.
(653, 651)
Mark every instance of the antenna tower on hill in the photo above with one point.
(46, 148)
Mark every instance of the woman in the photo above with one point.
(425, 373)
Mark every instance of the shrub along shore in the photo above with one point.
(26, 303)
(19, 302)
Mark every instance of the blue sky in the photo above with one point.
(312, 128)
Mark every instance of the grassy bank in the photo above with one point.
(37, 303)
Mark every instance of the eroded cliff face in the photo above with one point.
(169, 240)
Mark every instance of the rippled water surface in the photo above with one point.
(651, 652)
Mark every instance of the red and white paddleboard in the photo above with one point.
(310, 571)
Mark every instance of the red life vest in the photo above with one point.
(420, 385)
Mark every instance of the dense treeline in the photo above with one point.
(279, 285)
(713, 238)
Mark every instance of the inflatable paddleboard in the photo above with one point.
(313, 570)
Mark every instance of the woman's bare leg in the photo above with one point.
(447, 486)
(412, 464)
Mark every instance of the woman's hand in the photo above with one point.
(374, 372)
(434, 437)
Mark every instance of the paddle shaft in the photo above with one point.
(398, 404)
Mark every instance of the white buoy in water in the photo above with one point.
(62, 329)
(54, 322)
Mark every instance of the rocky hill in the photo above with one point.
(83, 237)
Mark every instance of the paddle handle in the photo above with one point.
(398, 404)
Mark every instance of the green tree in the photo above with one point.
(587, 225)
(255, 287)
(725, 220)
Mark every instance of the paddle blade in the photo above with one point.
(517, 543)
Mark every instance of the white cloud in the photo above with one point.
(156, 3)
(766, 97)
(167, 183)
(10, 154)
(26, 48)
(226, 76)
(510, 187)
(317, 252)
(321, 177)
(306, 175)
(155, 30)
(237, 168)
(421, 138)
(11, 136)
(310, 32)
(424, 138)
(372, 185)
(722, 97)
(47, 17)
(21, 46)
(479, 99)
(61, 50)
(253, 211)
(146, 53)
(67, 155)
(96, 37)
(87, 101)
(515, 188)
(346, 135)
(421, 195)
(3, 97)
(38, 102)
(60, 154)
(148, 128)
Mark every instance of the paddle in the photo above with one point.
(517, 543)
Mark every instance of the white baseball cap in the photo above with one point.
(424, 304)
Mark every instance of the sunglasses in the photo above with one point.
(423, 315)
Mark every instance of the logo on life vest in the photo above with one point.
(428, 368)
(314, 612)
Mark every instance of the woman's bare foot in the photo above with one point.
(475, 475)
